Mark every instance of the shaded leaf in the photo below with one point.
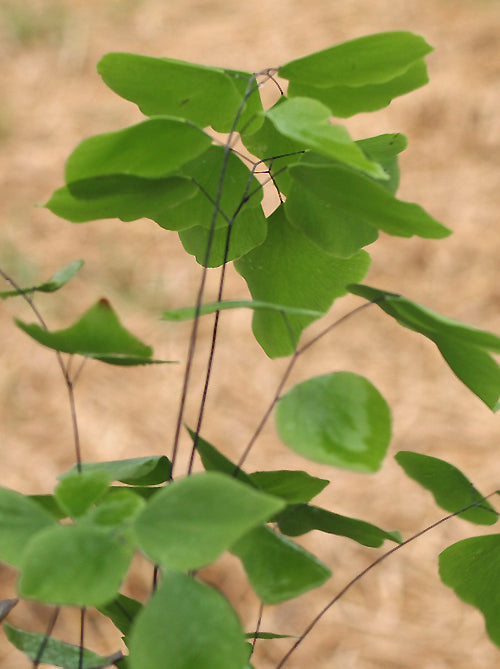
(471, 568)
(148, 470)
(49, 503)
(122, 612)
(188, 313)
(6, 606)
(57, 281)
(451, 489)
(187, 624)
(268, 635)
(214, 460)
(292, 486)
(277, 568)
(76, 492)
(338, 419)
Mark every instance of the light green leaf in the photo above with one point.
(187, 624)
(55, 652)
(372, 59)
(299, 519)
(76, 492)
(122, 612)
(251, 117)
(307, 121)
(153, 148)
(57, 281)
(97, 334)
(164, 86)
(451, 489)
(148, 470)
(193, 520)
(338, 419)
(471, 568)
(74, 565)
(188, 313)
(118, 506)
(292, 486)
(347, 100)
(385, 149)
(21, 518)
(277, 568)
(289, 269)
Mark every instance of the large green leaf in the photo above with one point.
(147, 470)
(21, 518)
(464, 348)
(97, 334)
(338, 419)
(77, 492)
(307, 122)
(153, 148)
(289, 269)
(187, 625)
(372, 59)
(299, 519)
(452, 490)
(277, 568)
(346, 100)
(57, 281)
(122, 196)
(55, 652)
(292, 486)
(164, 86)
(471, 568)
(74, 565)
(193, 520)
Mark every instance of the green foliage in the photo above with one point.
(333, 194)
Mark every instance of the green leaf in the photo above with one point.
(299, 519)
(248, 231)
(49, 503)
(277, 568)
(451, 489)
(163, 86)
(464, 348)
(289, 269)
(385, 149)
(194, 520)
(21, 518)
(471, 568)
(77, 492)
(307, 121)
(188, 313)
(148, 470)
(187, 624)
(251, 117)
(57, 281)
(74, 565)
(153, 148)
(117, 507)
(122, 612)
(355, 199)
(372, 59)
(292, 486)
(97, 334)
(122, 196)
(269, 635)
(347, 100)
(56, 653)
(338, 419)
(214, 460)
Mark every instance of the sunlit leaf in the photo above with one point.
(76, 492)
(116, 508)
(147, 470)
(187, 624)
(277, 568)
(57, 281)
(188, 313)
(338, 419)
(471, 568)
(292, 486)
(451, 489)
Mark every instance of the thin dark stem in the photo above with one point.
(371, 566)
(82, 637)
(48, 633)
(156, 574)
(257, 627)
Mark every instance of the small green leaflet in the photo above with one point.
(292, 486)
(97, 334)
(77, 492)
(188, 313)
(122, 612)
(58, 280)
(148, 470)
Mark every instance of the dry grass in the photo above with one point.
(401, 617)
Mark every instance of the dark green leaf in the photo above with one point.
(57, 281)
(299, 519)
(20, 519)
(289, 269)
(471, 568)
(122, 612)
(214, 460)
(74, 565)
(292, 486)
(204, 95)
(338, 419)
(56, 653)
(49, 503)
(187, 625)
(268, 635)
(452, 490)
(372, 59)
(188, 313)
(193, 520)
(97, 334)
(148, 470)
(277, 568)
(153, 148)
(77, 492)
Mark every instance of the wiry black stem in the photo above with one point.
(48, 634)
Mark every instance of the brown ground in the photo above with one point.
(400, 617)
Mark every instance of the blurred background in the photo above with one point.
(400, 616)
